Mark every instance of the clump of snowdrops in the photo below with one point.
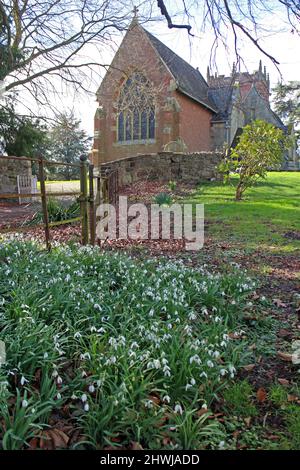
(136, 350)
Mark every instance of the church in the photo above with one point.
(151, 100)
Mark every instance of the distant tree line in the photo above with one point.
(63, 140)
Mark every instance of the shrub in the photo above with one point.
(57, 212)
(163, 199)
(260, 147)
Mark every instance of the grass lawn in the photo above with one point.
(269, 210)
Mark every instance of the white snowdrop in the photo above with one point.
(23, 380)
(84, 398)
(178, 409)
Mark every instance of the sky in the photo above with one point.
(283, 45)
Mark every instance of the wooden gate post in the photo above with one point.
(84, 200)
(44, 203)
(92, 206)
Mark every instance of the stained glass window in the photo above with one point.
(136, 115)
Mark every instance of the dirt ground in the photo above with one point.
(13, 215)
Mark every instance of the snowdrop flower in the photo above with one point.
(45, 355)
(74, 397)
(83, 374)
(221, 445)
(111, 360)
(192, 316)
(223, 372)
(58, 396)
(203, 374)
(204, 406)
(91, 388)
(210, 364)
(85, 356)
(77, 335)
(178, 409)
(23, 380)
(196, 359)
(83, 398)
(24, 403)
(149, 404)
(59, 380)
(86, 407)
(166, 399)
(156, 363)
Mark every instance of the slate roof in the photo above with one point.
(222, 99)
(189, 80)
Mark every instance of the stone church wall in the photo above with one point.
(167, 166)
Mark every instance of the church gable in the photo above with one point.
(141, 109)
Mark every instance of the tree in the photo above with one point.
(68, 143)
(260, 148)
(21, 135)
(287, 104)
(42, 40)
(245, 19)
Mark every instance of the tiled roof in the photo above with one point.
(189, 80)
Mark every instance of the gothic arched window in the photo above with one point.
(136, 110)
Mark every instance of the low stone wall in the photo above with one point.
(166, 166)
(9, 170)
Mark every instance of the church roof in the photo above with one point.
(189, 80)
(222, 99)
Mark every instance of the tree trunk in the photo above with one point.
(239, 192)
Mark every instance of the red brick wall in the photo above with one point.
(135, 53)
(194, 124)
(190, 121)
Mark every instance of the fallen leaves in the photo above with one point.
(285, 356)
(283, 382)
(279, 303)
(261, 395)
(50, 439)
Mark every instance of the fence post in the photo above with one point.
(44, 203)
(92, 206)
(83, 200)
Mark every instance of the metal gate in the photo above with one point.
(25, 185)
